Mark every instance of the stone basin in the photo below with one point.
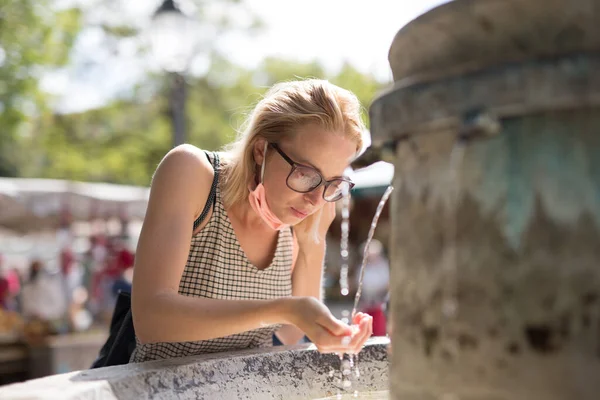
(284, 372)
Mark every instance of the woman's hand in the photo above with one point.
(362, 327)
(305, 230)
(326, 332)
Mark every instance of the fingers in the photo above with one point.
(359, 317)
(365, 330)
(328, 211)
(335, 326)
(369, 333)
(331, 209)
(326, 343)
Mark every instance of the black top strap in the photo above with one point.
(212, 196)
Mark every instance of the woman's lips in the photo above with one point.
(298, 213)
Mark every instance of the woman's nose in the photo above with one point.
(315, 197)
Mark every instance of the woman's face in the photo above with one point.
(329, 153)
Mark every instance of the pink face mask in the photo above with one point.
(258, 201)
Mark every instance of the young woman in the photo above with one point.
(232, 245)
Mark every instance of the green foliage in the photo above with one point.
(34, 38)
(124, 141)
(363, 86)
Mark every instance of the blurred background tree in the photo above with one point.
(123, 140)
(33, 39)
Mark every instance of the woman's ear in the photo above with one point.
(258, 151)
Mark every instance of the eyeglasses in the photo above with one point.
(304, 179)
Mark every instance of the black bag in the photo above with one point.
(121, 341)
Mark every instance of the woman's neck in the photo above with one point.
(246, 216)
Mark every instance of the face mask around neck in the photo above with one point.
(258, 200)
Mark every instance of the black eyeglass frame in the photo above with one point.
(322, 182)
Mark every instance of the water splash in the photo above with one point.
(384, 199)
(344, 372)
(344, 285)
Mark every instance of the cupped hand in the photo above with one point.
(362, 330)
(326, 332)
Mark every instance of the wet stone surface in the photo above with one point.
(291, 372)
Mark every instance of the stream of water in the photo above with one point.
(349, 362)
(384, 199)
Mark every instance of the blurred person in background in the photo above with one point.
(97, 258)
(123, 282)
(119, 260)
(375, 287)
(43, 297)
(14, 288)
(10, 286)
(4, 286)
(70, 272)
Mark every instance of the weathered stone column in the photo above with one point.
(494, 123)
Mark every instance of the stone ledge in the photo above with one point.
(286, 372)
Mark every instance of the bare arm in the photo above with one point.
(307, 280)
(179, 190)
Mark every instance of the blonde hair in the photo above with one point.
(284, 108)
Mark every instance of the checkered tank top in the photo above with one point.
(218, 268)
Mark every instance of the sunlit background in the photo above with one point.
(94, 93)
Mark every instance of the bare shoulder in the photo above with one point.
(184, 161)
(184, 175)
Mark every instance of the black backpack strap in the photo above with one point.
(120, 344)
(212, 196)
(126, 333)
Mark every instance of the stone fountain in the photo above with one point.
(493, 124)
